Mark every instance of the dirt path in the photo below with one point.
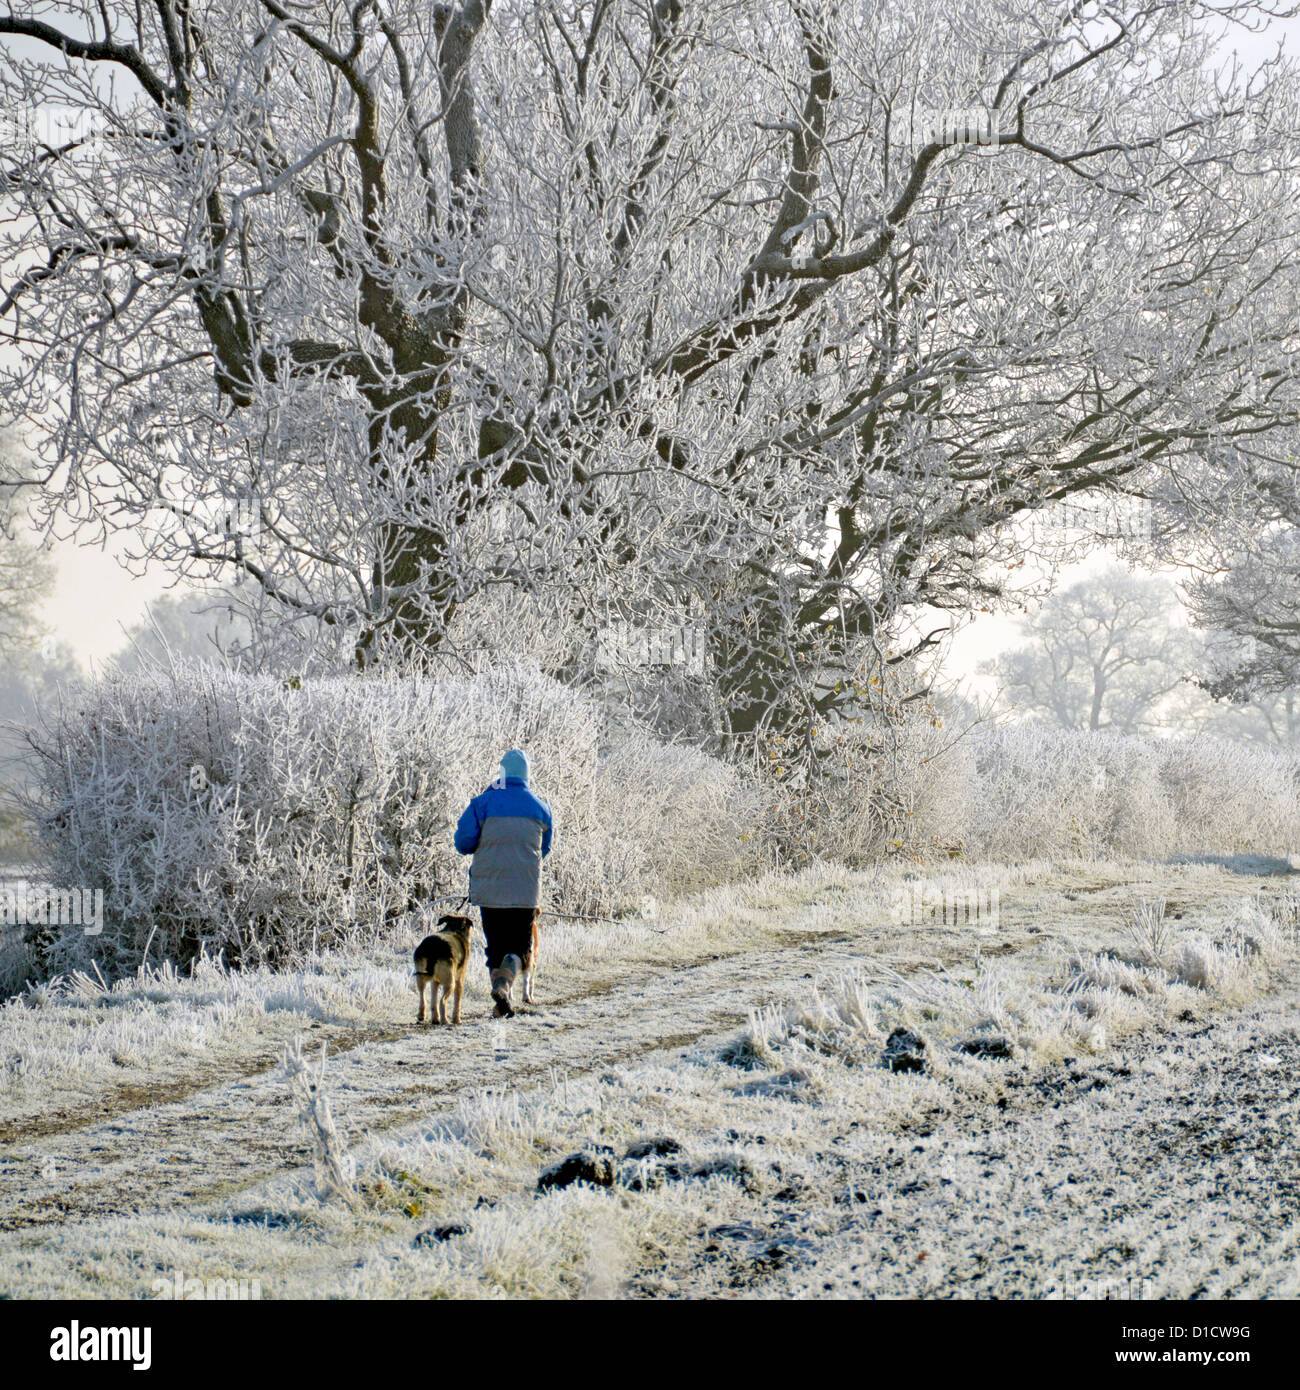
(198, 1139)
(214, 1142)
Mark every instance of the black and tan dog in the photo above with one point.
(442, 960)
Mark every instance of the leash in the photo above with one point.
(412, 905)
(546, 911)
(579, 917)
(613, 921)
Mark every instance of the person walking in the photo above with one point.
(507, 829)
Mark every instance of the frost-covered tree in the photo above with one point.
(1107, 652)
(1250, 607)
(31, 666)
(773, 311)
(1247, 603)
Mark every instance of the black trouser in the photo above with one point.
(508, 931)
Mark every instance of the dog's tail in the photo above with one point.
(413, 983)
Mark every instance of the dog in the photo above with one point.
(442, 960)
(528, 968)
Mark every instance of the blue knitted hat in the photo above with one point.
(515, 764)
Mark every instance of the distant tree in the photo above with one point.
(1264, 718)
(28, 680)
(225, 625)
(32, 665)
(32, 681)
(1108, 652)
(26, 574)
(194, 626)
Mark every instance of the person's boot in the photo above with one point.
(503, 979)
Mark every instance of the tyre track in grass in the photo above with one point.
(200, 1142)
(218, 1141)
(341, 1039)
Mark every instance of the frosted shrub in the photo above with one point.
(1260, 933)
(1232, 797)
(1130, 812)
(687, 817)
(270, 819)
(1037, 793)
(1029, 791)
(1195, 964)
(1107, 973)
(1222, 967)
(1026, 791)
(1043, 791)
(877, 790)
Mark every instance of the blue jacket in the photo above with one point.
(508, 831)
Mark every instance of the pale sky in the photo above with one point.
(95, 599)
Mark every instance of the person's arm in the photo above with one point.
(547, 826)
(468, 829)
